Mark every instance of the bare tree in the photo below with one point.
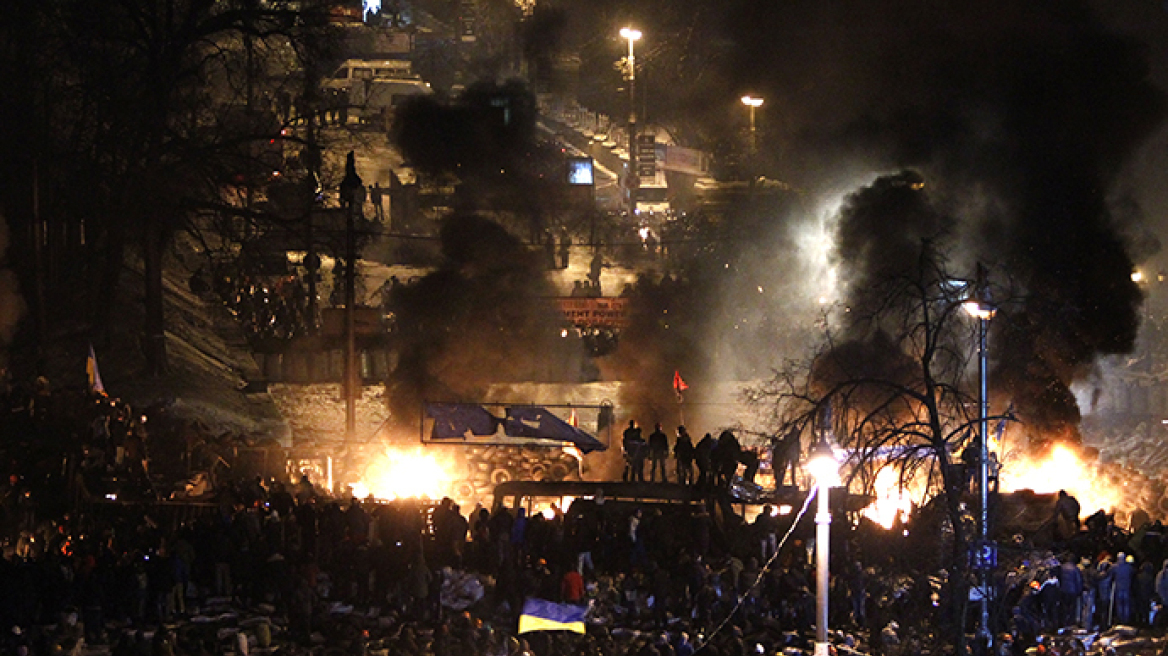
(148, 113)
(900, 380)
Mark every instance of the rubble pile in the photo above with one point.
(316, 413)
(1131, 461)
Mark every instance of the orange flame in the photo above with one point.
(1062, 469)
(891, 500)
(404, 473)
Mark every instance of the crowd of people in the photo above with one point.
(296, 554)
(296, 566)
(717, 458)
(135, 573)
(278, 310)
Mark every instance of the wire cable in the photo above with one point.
(762, 572)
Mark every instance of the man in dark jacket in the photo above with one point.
(1066, 516)
(683, 453)
(1070, 582)
(704, 454)
(1122, 576)
(658, 453)
(634, 447)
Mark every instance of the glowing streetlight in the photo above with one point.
(824, 467)
(980, 307)
(632, 35)
(752, 103)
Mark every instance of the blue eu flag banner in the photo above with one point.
(460, 420)
(541, 615)
(541, 423)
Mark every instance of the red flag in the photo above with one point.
(679, 385)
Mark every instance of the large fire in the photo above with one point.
(402, 473)
(1060, 468)
(891, 500)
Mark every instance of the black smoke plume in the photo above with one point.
(482, 317)
(881, 232)
(1020, 115)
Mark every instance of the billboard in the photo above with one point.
(580, 171)
(595, 312)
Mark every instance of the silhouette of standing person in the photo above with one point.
(375, 197)
(594, 269)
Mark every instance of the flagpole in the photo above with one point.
(679, 386)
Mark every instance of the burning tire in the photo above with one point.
(559, 472)
(463, 490)
(501, 475)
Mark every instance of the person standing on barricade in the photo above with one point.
(683, 453)
(658, 453)
(634, 451)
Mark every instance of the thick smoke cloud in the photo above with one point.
(881, 231)
(1019, 115)
(482, 317)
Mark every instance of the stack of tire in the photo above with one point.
(488, 466)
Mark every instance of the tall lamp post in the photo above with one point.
(632, 35)
(824, 467)
(352, 198)
(752, 104)
(979, 307)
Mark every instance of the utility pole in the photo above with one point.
(633, 182)
(352, 189)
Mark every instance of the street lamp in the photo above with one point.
(752, 103)
(632, 35)
(980, 307)
(824, 467)
(352, 193)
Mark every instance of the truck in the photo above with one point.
(371, 88)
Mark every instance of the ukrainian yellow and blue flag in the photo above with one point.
(542, 615)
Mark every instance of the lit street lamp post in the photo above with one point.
(632, 35)
(824, 467)
(980, 307)
(752, 103)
